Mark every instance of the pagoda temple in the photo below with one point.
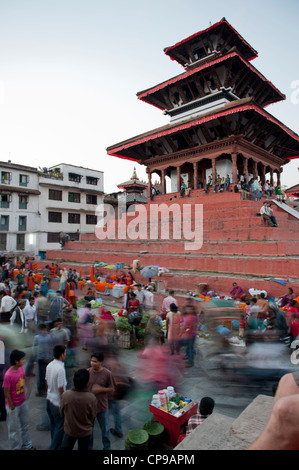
(218, 123)
(134, 190)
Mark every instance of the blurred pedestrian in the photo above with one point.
(30, 314)
(56, 385)
(60, 334)
(170, 299)
(189, 333)
(16, 404)
(56, 306)
(102, 384)
(78, 408)
(18, 318)
(148, 298)
(42, 352)
(7, 306)
(42, 307)
(173, 326)
(31, 282)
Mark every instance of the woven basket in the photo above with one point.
(124, 340)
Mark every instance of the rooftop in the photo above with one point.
(226, 34)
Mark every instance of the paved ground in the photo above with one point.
(193, 382)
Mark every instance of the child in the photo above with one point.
(242, 326)
(16, 404)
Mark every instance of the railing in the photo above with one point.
(51, 174)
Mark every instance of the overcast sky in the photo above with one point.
(70, 71)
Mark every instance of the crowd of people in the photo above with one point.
(53, 329)
(55, 326)
(279, 316)
(253, 187)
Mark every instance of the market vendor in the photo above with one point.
(206, 407)
(237, 292)
(90, 295)
(287, 298)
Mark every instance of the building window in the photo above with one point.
(55, 217)
(53, 237)
(4, 223)
(91, 219)
(22, 223)
(20, 241)
(5, 177)
(73, 218)
(23, 201)
(74, 197)
(75, 177)
(91, 199)
(5, 200)
(55, 195)
(92, 180)
(23, 180)
(3, 238)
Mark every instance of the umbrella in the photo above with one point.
(149, 272)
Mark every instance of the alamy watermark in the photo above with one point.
(295, 354)
(153, 222)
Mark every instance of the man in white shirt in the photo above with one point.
(56, 385)
(148, 298)
(7, 304)
(30, 313)
(265, 213)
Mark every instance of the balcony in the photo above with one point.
(51, 174)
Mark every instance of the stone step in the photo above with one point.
(249, 265)
(240, 248)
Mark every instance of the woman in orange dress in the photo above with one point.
(31, 282)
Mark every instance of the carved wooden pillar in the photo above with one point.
(195, 175)
(214, 175)
(234, 168)
(254, 171)
(245, 166)
(149, 184)
(163, 186)
(271, 177)
(278, 176)
(263, 179)
(178, 172)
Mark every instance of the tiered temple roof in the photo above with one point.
(216, 40)
(216, 107)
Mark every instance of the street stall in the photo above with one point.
(173, 412)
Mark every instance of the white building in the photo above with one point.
(67, 203)
(19, 202)
(38, 206)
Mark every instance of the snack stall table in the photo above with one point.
(174, 423)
